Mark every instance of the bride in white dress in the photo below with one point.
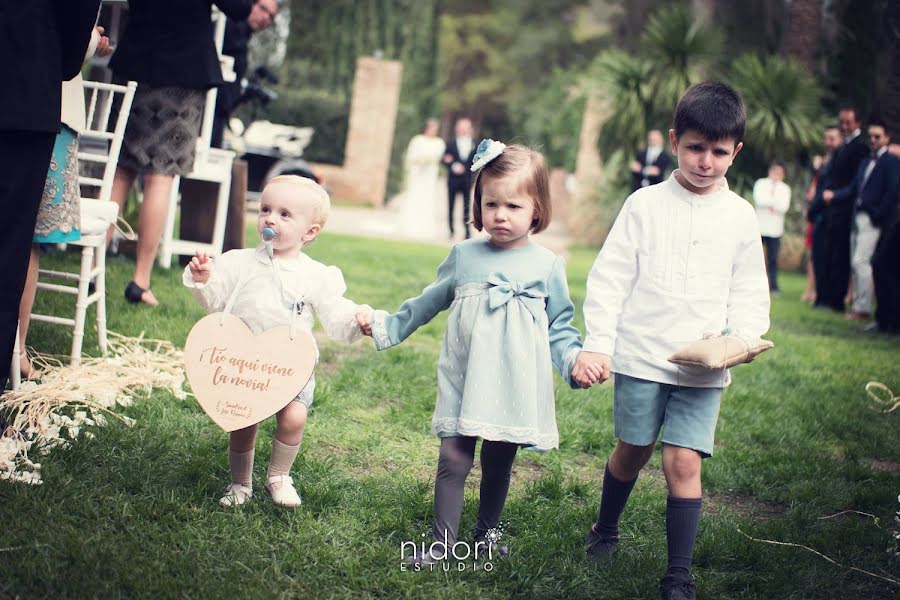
(417, 215)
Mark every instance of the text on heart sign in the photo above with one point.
(226, 363)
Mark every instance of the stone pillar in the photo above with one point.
(560, 197)
(588, 172)
(367, 154)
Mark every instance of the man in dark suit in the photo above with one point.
(42, 44)
(458, 159)
(872, 196)
(236, 45)
(650, 164)
(818, 213)
(839, 219)
(886, 272)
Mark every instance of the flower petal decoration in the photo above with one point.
(487, 151)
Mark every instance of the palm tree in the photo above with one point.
(623, 80)
(681, 48)
(783, 105)
(804, 33)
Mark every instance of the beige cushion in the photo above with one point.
(97, 215)
(720, 352)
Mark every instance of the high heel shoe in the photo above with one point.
(135, 294)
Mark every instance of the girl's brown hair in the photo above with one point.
(528, 169)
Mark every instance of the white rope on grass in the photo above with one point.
(885, 401)
(816, 552)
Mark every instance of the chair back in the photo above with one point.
(108, 107)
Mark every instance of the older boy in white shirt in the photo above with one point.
(683, 259)
(772, 198)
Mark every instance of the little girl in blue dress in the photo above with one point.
(510, 323)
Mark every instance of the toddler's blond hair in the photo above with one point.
(311, 191)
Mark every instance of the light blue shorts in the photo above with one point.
(687, 415)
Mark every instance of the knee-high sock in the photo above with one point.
(454, 463)
(612, 502)
(682, 520)
(282, 458)
(241, 464)
(496, 466)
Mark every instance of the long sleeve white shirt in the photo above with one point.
(675, 266)
(772, 200)
(260, 302)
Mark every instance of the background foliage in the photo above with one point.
(521, 69)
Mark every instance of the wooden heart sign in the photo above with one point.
(239, 378)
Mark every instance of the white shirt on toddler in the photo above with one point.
(261, 304)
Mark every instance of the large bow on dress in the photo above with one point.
(530, 294)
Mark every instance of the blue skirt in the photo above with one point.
(59, 217)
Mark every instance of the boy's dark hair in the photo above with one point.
(833, 126)
(712, 109)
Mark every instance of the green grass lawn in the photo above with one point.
(134, 513)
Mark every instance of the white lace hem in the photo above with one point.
(527, 436)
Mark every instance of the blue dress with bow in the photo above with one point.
(510, 323)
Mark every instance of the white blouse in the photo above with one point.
(772, 200)
(675, 266)
(263, 304)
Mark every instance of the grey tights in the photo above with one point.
(454, 463)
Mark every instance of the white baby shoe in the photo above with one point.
(235, 495)
(286, 495)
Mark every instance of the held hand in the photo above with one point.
(364, 317)
(201, 267)
(810, 194)
(828, 196)
(636, 167)
(591, 368)
(458, 168)
(103, 47)
(651, 171)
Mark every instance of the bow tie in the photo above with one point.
(529, 294)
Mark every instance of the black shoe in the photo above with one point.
(600, 546)
(136, 294)
(674, 587)
(486, 549)
(422, 559)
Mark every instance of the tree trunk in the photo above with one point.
(888, 101)
(704, 10)
(804, 33)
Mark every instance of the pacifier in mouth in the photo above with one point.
(269, 234)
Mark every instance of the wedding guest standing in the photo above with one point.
(168, 49)
(42, 44)
(458, 160)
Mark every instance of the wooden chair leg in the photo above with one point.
(15, 369)
(84, 277)
(101, 297)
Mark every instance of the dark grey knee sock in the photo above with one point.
(612, 502)
(496, 466)
(454, 463)
(682, 520)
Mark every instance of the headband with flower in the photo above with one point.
(487, 151)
